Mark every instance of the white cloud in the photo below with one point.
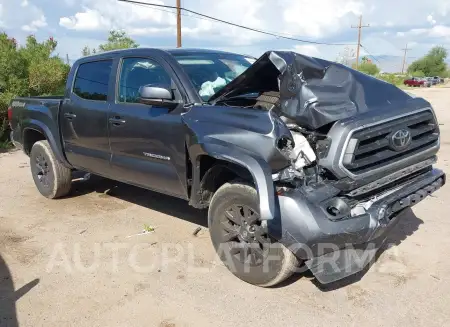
(304, 19)
(431, 20)
(110, 14)
(35, 24)
(321, 17)
(88, 20)
(422, 22)
(437, 31)
(440, 31)
(22, 15)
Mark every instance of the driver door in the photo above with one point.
(147, 141)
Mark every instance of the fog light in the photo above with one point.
(337, 208)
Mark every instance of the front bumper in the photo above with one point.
(332, 248)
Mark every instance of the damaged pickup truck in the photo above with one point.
(298, 159)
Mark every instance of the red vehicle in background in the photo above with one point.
(415, 82)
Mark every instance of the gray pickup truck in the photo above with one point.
(301, 161)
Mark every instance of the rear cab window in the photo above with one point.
(91, 80)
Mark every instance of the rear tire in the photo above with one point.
(241, 240)
(51, 178)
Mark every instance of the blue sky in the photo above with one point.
(76, 23)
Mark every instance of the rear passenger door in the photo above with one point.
(84, 118)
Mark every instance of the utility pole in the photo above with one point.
(359, 27)
(404, 57)
(178, 23)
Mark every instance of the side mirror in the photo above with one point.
(158, 96)
(155, 93)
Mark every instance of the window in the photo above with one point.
(137, 72)
(209, 72)
(91, 81)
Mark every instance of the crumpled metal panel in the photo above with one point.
(314, 92)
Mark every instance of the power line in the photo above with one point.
(233, 24)
(370, 55)
(159, 9)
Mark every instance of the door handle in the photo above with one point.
(116, 121)
(70, 115)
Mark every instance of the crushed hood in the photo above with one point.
(315, 92)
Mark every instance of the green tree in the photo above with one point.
(367, 67)
(28, 70)
(432, 64)
(13, 77)
(396, 79)
(447, 74)
(116, 40)
(418, 73)
(46, 73)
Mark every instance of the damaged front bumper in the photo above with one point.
(332, 249)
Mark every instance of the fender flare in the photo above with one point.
(258, 168)
(42, 128)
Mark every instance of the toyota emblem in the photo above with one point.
(401, 139)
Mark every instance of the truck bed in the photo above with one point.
(39, 114)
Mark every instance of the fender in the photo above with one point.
(242, 136)
(55, 146)
(259, 169)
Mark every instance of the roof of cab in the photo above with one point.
(141, 51)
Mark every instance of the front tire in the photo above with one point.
(241, 240)
(51, 178)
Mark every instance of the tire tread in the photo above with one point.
(290, 261)
(62, 174)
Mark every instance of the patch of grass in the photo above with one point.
(5, 146)
(148, 229)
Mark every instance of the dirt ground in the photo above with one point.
(78, 262)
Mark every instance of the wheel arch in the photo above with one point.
(215, 164)
(36, 131)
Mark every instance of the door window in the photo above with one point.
(137, 72)
(91, 81)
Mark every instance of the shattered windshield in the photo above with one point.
(209, 72)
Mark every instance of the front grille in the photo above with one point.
(372, 147)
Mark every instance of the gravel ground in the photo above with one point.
(80, 261)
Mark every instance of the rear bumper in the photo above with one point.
(332, 249)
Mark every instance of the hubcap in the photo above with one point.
(43, 170)
(243, 235)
